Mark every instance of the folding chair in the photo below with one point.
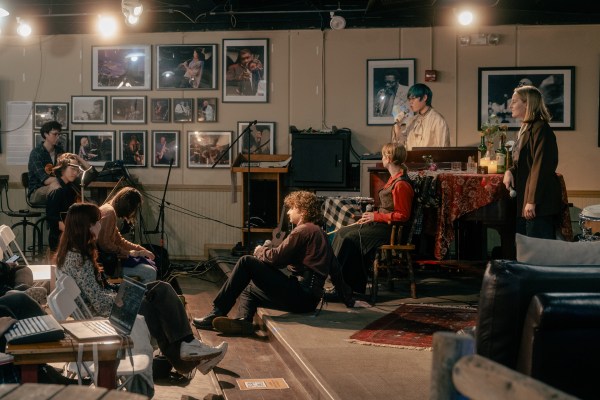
(65, 301)
(42, 273)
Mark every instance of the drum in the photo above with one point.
(589, 222)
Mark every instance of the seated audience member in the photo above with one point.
(125, 204)
(59, 200)
(41, 159)
(353, 244)
(426, 128)
(289, 277)
(162, 309)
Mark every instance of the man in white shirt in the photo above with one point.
(426, 128)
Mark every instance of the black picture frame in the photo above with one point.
(99, 147)
(88, 109)
(382, 107)
(183, 110)
(557, 84)
(265, 144)
(175, 67)
(132, 149)
(46, 112)
(160, 110)
(162, 158)
(126, 67)
(128, 109)
(206, 109)
(236, 89)
(205, 147)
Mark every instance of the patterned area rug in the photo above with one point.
(411, 326)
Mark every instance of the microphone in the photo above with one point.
(252, 123)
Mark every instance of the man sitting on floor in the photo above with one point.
(263, 280)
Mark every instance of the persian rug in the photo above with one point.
(411, 326)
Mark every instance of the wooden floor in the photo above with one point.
(312, 354)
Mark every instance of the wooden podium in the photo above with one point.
(263, 181)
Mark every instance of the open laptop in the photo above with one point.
(122, 315)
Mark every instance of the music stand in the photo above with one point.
(248, 203)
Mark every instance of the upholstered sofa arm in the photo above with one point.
(506, 291)
(560, 345)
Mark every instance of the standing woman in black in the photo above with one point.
(533, 175)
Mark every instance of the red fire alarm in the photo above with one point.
(430, 75)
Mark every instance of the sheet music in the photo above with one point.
(268, 164)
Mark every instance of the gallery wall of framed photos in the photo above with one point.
(183, 69)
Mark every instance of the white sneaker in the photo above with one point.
(197, 351)
(206, 366)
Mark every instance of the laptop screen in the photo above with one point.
(127, 304)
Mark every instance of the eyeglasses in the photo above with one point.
(54, 133)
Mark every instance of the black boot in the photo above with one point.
(206, 321)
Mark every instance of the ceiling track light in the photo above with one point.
(132, 10)
(337, 22)
(3, 12)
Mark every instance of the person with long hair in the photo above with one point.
(354, 244)
(125, 204)
(66, 171)
(162, 309)
(288, 277)
(533, 174)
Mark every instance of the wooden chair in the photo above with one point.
(396, 255)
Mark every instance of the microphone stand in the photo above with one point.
(161, 222)
(248, 202)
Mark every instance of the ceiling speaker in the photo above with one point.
(337, 22)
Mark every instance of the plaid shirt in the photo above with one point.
(38, 159)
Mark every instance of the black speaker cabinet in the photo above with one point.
(320, 160)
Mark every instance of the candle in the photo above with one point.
(492, 167)
(484, 161)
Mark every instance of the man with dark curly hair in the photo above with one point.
(289, 277)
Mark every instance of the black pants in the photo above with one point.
(167, 322)
(260, 285)
(542, 227)
(354, 246)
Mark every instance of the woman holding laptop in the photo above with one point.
(163, 311)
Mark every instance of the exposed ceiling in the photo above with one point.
(77, 16)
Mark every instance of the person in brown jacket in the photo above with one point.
(125, 204)
(533, 175)
(288, 277)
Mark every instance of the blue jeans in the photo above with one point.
(145, 272)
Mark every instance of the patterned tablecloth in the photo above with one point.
(341, 211)
(463, 193)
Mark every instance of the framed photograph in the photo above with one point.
(88, 109)
(63, 140)
(161, 110)
(128, 109)
(97, 147)
(165, 148)
(126, 67)
(260, 138)
(388, 82)
(206, 148)
(245, 70)
(45, 112)
(557, 84)
(183, 110)
(186, 66)
(206, 109)
(133, 148)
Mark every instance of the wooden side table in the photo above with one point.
(30, 356)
